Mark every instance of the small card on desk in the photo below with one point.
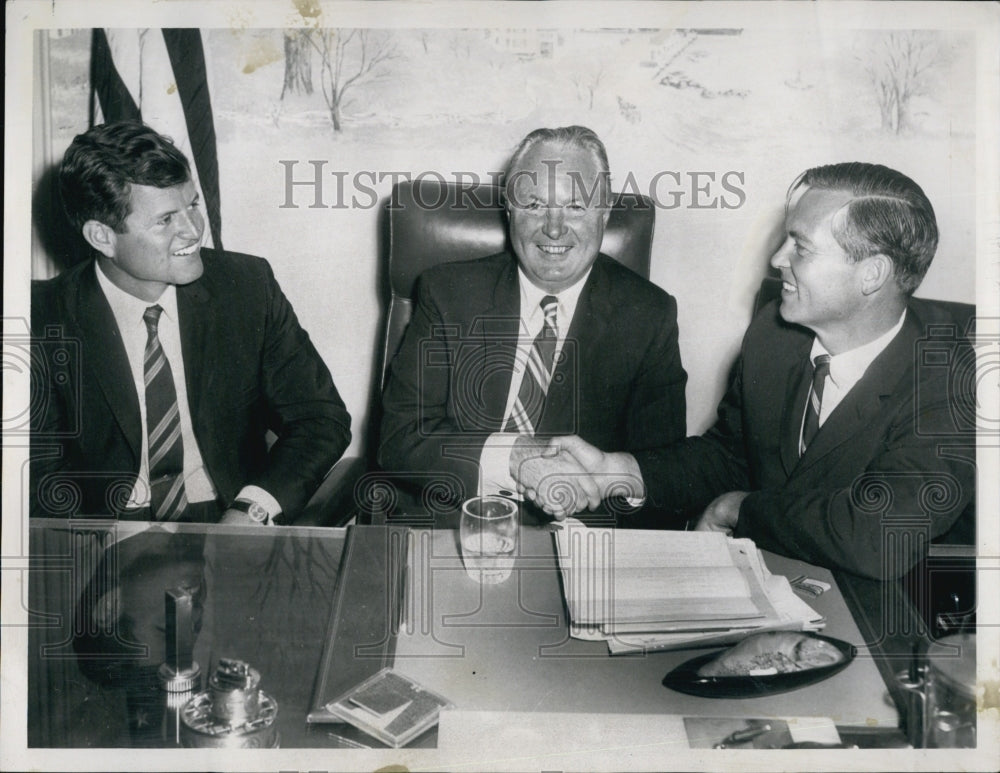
(383, 695)
(389, 706)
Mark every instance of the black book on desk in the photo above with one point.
(365, 613)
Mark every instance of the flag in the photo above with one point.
(158, 76)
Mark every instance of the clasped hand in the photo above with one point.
(722, 513)
(565, 475)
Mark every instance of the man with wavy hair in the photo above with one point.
(159, 365)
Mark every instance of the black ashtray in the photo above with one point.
(686, 679)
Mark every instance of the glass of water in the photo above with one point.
(488, 533)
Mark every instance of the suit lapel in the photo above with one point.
(103, 353)
(581, 346)
(796, 394)
(197, 321)
(863, 403)
(497, 330)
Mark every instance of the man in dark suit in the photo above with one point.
(840, 441)
(160, 365)
(507, 350)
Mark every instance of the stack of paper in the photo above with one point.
(668, 589)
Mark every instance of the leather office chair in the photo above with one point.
(434, 221)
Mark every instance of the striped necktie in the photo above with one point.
(527, 411)
(167, 498)
(810, 426)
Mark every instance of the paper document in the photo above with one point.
(661, 590)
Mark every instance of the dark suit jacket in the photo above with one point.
(891, 468)
(249, 367)
(619, 385)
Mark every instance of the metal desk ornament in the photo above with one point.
(179, 675)
(233, 713)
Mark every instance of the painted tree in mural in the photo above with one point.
(587, 80)
(348, 58)
(901, 67)
(298, 63)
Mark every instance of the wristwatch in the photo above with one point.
(256, 512)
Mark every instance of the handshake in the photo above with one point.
(564, 475)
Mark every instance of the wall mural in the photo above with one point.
(362, 80)
(712, 123)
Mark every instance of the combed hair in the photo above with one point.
(889, 215)
(573, 136)
(102, 164)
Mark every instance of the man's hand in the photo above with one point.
(616, 474)
(555, 482)
(722, 513)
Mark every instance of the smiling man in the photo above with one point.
(847, 436)
(159, 366)
(505, 351)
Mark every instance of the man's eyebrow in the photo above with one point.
(194, 200)
(163, 213)
(799, 236)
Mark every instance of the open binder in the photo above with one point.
(639, 589)
(365, 614)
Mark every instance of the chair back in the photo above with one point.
(435, 221)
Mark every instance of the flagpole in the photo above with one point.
(41, 262)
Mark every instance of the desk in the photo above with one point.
(506, 647)
(268, 596)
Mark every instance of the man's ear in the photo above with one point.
(875, 272)
(101, 237)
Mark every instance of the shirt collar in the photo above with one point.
(127, 308)
(847, 368)
(531, 297)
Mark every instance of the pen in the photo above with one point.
(742, 736)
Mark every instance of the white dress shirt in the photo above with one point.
(494, 462)
(128, 311)
(847, 368)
